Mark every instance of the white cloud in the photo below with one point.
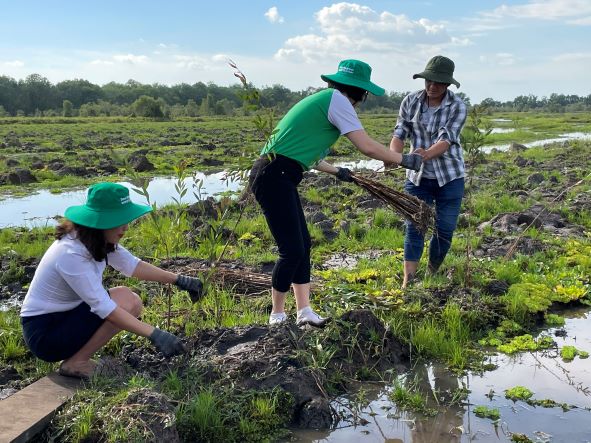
(13, 64)
(101, 62)
(584, 21)
(350, 29)
(273, 15)
(542, 10)
(130, 58)
(573, 57)
(500, 58)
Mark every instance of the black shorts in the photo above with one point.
(59, 335)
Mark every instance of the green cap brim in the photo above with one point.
(83, 216)
(347, 80)
(437, 77)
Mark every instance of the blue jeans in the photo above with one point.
(447, 200)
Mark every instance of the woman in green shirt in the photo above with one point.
(301, 141)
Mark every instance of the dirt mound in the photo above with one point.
(537, 216)
(155, 413)
(498, 247)
(300, 361)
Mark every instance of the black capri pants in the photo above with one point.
(59, 335)
(274, 180)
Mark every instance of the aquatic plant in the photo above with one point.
(486, 412)
(518, 393)
(554, 319)
(526, 343)
(568, 353)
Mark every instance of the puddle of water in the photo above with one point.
(500, 120)
(40, 208)
(543, 373)
(561, 138)
(501, 130)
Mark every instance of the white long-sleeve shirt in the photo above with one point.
(68, 275)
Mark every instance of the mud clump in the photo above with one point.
(285, 356)
(152, 412)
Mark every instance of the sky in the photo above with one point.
(502, 49)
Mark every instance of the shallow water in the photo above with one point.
(561, 138)
(543, 373)
(39, 208)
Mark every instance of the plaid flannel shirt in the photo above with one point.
(446, 124)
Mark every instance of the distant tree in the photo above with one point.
(38, 94)
(3, 112)
(146, 106)
(78, 92)
(10, 94)
(224, 107)
(191, 110)
(207, 105)
(67, 108)
(464, 98)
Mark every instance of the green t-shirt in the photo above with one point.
(309, 129)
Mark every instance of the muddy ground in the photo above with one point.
(263, 358)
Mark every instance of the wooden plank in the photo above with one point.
(28, 412)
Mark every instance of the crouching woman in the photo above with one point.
(67, 314)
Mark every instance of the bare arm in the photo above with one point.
(396, 145)
(372, 148)
(146, 271)
(434, 151)
(124, 320)
(324, 166)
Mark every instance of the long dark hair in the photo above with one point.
(357, 94)
(93, 239)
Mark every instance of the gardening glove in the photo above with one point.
(411, 161)
(344, 174)
(192, 285)
(167, 343)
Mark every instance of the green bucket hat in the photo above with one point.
(439, 69)
(107, 206)
(354, 73)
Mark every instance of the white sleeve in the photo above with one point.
(342, 114)
(123, 260)
(82, 277)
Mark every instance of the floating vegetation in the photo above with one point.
(518, 393)
(486, 412)
(526, 343)
(568, 353)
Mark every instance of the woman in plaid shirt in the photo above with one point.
(433, 118)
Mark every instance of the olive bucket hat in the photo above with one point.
(439, 69)
(354, 73)
(107, 206)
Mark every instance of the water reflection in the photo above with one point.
(41, 208)
(378, 420)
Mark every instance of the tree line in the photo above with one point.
(37, 96)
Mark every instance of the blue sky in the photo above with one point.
(501, 49)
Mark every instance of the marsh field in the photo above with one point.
(492, 348)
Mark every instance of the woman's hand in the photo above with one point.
(192, 285)
(167, 343)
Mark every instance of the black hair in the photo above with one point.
(92, 238)
(353, 92)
